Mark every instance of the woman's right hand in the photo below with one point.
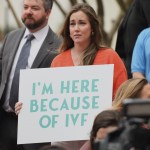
(18, 107)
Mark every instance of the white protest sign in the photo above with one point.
(59, 104)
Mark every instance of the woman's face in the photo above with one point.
(80, 28)
(145, 93)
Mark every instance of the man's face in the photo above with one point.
(34, 15)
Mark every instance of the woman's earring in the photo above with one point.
(92, 33)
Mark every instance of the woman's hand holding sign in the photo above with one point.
(18, 107)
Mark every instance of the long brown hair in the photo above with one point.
(96, 36)
(104, 119)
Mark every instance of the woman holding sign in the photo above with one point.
(83, 45)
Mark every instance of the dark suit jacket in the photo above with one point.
(136, 19)
(43, 59)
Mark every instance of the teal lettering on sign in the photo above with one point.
(86, 103)
(72, 103)
(43, 88)
(84, 86)
(83, 118)
(75, 104)
(95, 100)
(64, 88)
(33, 106)
(43, 105)
(47, 89)
(77, 86)
(33, 88)
(52, 104)
(64, 105)
(47, 121)
(75, 119)
(94, 86)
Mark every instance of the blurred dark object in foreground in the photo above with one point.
(133, 132)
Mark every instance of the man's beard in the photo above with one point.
(34, 24)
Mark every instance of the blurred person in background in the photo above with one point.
(136, 19)
(104, 123)
(140, 66)
(132, 88)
